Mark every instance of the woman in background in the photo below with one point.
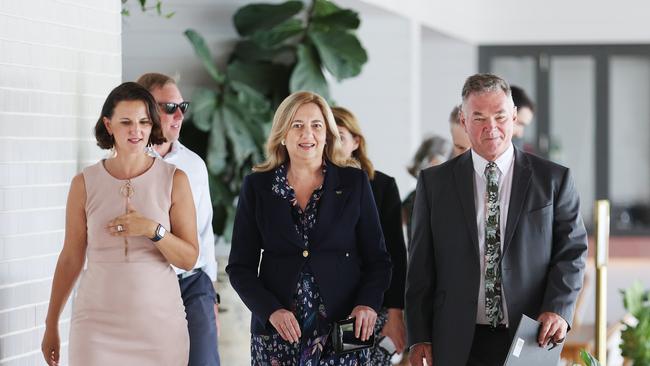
(433, 150)
(313, 221)
(128, 308)
(390, 320)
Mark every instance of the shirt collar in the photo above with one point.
(503, 162)
(175, 148)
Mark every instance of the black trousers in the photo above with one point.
(490, 346)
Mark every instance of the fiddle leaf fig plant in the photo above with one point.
(282, 48)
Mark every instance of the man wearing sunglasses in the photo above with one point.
(197, 289)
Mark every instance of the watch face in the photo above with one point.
(161, 231)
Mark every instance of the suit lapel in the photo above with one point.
(331, 204)
(280, 217)
(520, 183)
(464, 176)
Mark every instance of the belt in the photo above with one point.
(187, 274)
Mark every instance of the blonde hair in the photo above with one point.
(345, 118)
(276, 153)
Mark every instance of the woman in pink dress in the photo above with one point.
(129, 216)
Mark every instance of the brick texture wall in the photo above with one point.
(58, 60)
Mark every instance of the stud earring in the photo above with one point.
(282, 142)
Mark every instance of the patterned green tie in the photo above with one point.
(492, 248)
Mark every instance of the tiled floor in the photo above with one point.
(234, 323)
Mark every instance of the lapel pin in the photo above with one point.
(339, 192)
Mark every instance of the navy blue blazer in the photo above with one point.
(346, 253)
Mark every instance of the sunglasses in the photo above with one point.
(170, 108)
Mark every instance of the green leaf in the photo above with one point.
(203, 52)
(588, 359)
(633, 298)
(323, 8)
(169, 15)
(257, 114)
(255, 17)
(307, 74)
(344, 19)
(278, 34)
(221, 199)
(217, 152)
(204, 103)
(269, 79)
(143, 4)
(341, 52)
(230, 222)
(249, 51)
(242, 142)
(159, 7)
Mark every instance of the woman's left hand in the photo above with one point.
(132, 224)
(365, 321)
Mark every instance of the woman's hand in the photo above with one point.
(50, 346)
(395, 329)
(365, 321)
(132, 224)
(286, 324)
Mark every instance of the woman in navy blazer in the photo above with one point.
(390, 319)
(313, 221)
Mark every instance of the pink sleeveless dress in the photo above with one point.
(128, 308)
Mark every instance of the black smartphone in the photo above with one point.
(343, 338)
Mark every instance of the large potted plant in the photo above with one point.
(283, 48)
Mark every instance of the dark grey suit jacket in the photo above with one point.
(543, 256)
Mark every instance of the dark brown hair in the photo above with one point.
(128, 91)
(521, 99)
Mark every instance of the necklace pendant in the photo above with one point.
(127, 189)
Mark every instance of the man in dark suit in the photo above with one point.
(497, 233)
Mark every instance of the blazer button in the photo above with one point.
(305, 253)
(347, 255)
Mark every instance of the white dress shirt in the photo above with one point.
(197, 173)
(504, 164)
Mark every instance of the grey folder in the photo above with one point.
(524, 349)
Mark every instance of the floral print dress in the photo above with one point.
(314, 348)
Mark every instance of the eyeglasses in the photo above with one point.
(170, 108)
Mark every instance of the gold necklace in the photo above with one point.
(127, 191)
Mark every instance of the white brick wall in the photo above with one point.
(58, 61)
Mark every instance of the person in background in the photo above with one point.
(497, 233)
(130, 217)
(433, 150)
(197, 289)
(313, 220)
(390, 320)
(459, 137)
(525, 113)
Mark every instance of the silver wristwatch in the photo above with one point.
(159, 234)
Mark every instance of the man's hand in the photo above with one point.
(553, 327)
(421, 351)
(394, 329)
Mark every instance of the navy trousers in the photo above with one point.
(199, 298)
